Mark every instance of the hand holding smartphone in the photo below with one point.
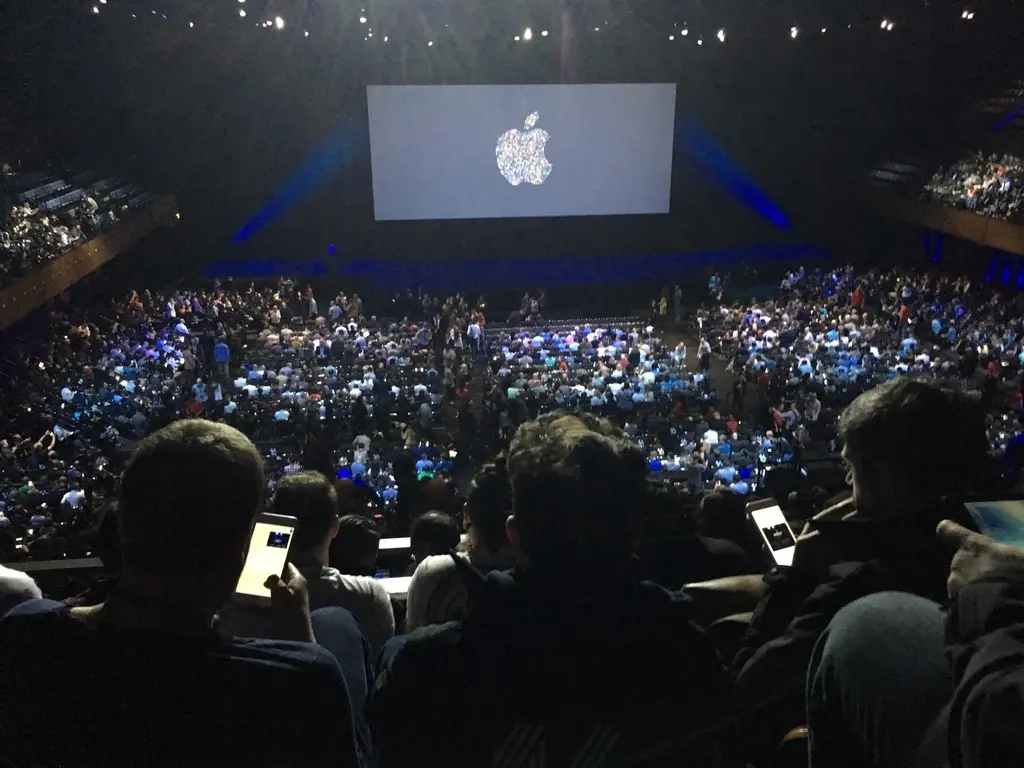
(266, 557)
(775, 531)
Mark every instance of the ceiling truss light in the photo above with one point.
(794, 32)
(527, 34)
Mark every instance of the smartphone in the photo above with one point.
(269, 543)
(398, 542)
(1003, 520)
(775, 531)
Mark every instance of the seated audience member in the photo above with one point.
(143, 677)
(898, 681)
(15, 588)
(433, 533)
(673, 554)
(570, 646)
(310, 498)
(904, 478)
(437, 592)
(353, 550)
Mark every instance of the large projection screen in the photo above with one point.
(501, 151)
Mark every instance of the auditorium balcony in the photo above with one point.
(56, 227)
(972, 185)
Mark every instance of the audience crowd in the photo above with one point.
(992, 186)
(30, 235)
(585, 610)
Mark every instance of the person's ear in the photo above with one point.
(512, 531)
(335, 525)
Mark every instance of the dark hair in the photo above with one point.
(188, 493)
(576, 482)
(722, 515)
(356, 543)
(309, 497)
(489, 504)
(434, 533)
(933, 438)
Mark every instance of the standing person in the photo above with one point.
(704, 356)
(677, 300)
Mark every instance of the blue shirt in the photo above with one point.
(221, 352)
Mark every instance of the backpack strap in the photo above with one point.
(472, 577)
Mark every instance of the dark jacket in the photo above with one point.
(985, 646)
(771, 666)
(543, 655)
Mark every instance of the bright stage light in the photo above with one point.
(279, 22)
(527, 34)
(721, 35)
(544, 33)
(794, 32)
(241, 13)
(362, 19)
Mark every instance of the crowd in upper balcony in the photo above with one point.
(991, 185)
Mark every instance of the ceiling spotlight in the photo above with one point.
(700, 41)
(527, 34)
(385, 38)
(241, 1)
(190, 25)
(279, 22)
(306, 33)
(793, 32)
(95, 9)
(103, 2)
(721, 35)
(671, 37)
(544, 33)
(888, 27)
(362, 19)
(597, 29)
(823, 30)
(430, 43)
(241, 13)
(685, 32)
(516, 38)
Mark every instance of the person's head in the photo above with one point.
(355, 545)
(488, 506)
(721, 515)
(433, 533)
(909, 444)
(311, 499)
(188, 497)
(576, 484)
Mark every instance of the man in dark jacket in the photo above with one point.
(896, 681)
(569, 656)
(897, 448)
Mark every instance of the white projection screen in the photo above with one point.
(502, 151)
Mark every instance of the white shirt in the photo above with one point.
(282, 415)
(73, 498)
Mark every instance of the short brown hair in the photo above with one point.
(309, 497)
(188, 492)
(933, 438)
(577, 483)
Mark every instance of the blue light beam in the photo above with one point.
(328, 159)
(713, 160)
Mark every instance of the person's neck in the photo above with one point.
(314, 557)
(155, 603)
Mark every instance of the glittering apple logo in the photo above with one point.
(520, 154)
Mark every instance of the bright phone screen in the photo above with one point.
(776, 534)
(268, 553)
(1002, 520)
